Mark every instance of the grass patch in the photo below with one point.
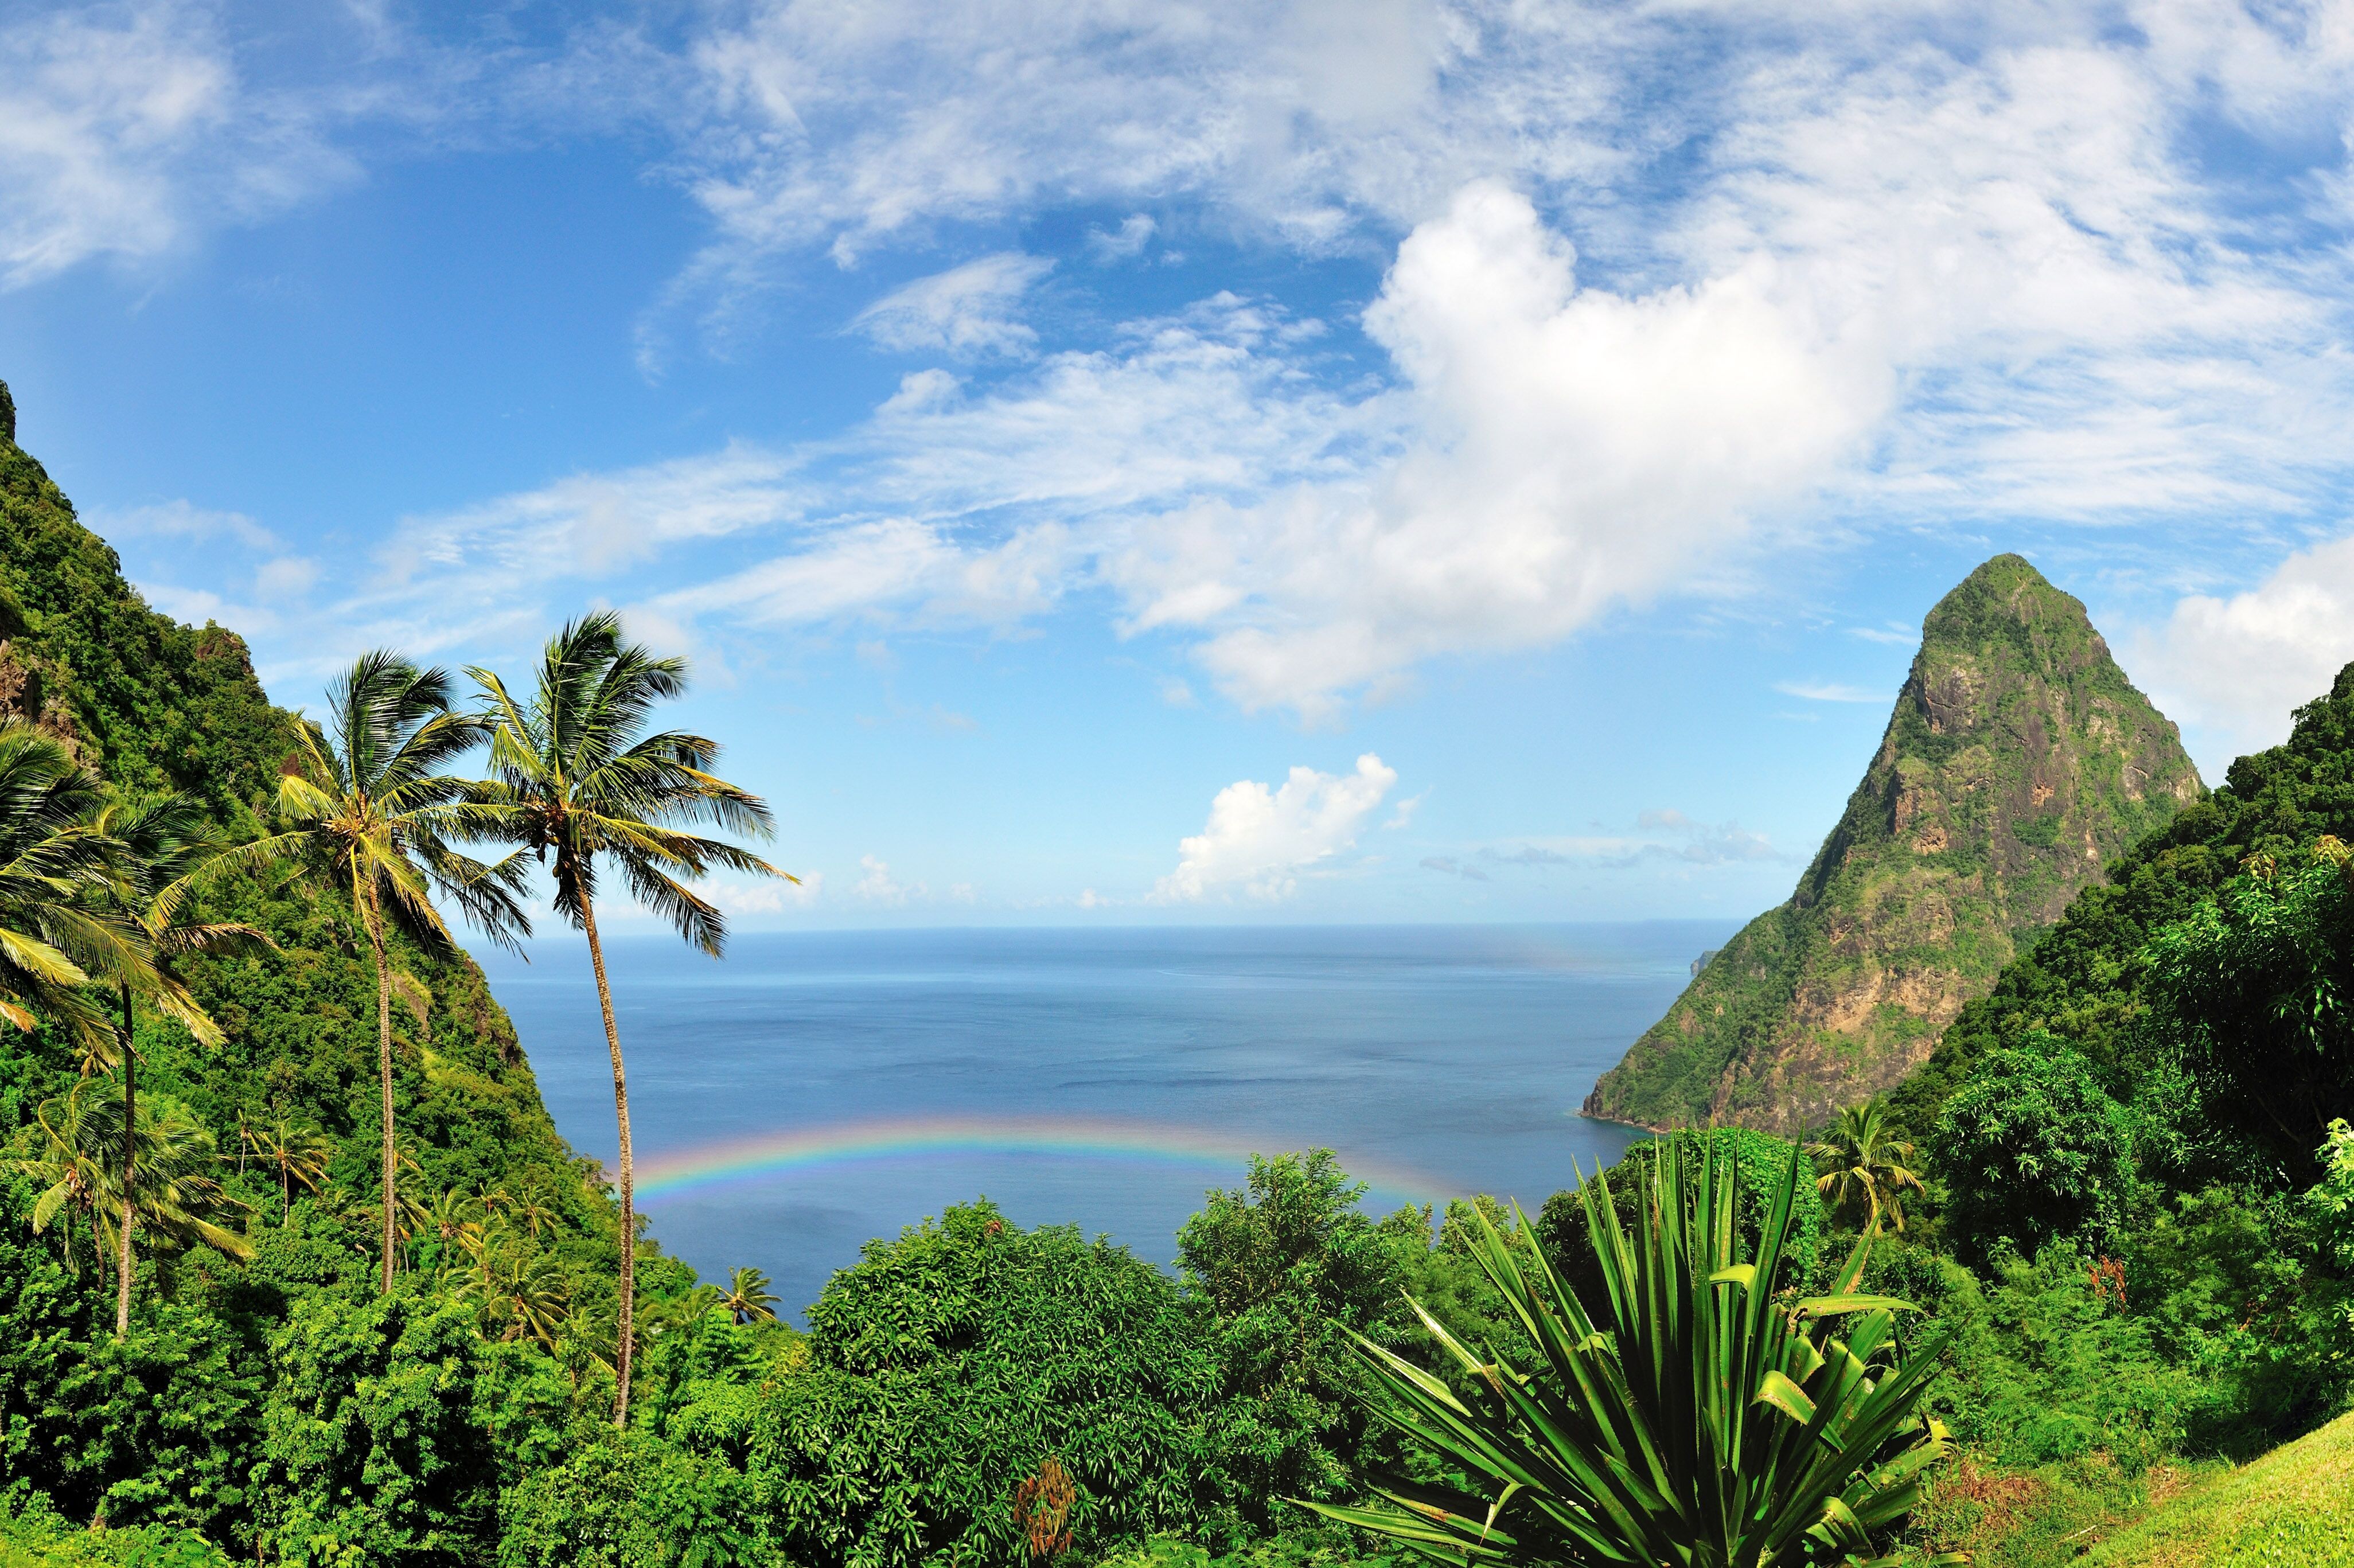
(2038, 1517)
(2294, 1506)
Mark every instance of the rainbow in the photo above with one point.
(782, 1154)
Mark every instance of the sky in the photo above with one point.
(1113, 461)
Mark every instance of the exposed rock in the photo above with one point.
(2018, 761)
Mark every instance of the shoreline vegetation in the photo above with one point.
(2081, 1282)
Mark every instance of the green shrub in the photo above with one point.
(2034, 1150)
(631, 1504)
(2046, 1366)
(372, 1451)
(945, 1368)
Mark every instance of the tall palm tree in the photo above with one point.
(370, 816)
(574, 774)
(171, 846)
(747, 1297)
(1865, 1164)
(59, 868)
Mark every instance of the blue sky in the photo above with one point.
(1199, 461)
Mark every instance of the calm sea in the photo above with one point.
(815, 1090)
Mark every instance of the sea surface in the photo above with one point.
(812, 1091)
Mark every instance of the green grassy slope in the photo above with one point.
(2017, 761)
(2295, 1505)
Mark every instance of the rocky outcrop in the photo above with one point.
(2018, 761)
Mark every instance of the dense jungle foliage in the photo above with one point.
(2132, 1234)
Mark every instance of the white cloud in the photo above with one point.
(767, 895)
(124, 129)
(967, 309)
(1134, 233)
(180, 520)
(1831, 691)
(1260, 840)
(287, 577)
(1661, 836)
(1403, 816)
(2238, 666)
(876, 885)
(1669, 283)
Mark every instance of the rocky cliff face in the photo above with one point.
(2018, 761)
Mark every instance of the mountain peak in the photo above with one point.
(2017, 761)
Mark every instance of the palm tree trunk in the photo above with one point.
(130, 1166)
(621, 1120)
(383, 1073)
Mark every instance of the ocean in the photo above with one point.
(812, 1091)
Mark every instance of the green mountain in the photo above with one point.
(2084, 982)
(154, 704)
(2018, 762)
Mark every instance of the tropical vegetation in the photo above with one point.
(294, 1268)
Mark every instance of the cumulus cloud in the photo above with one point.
(1260, 841)
(2239, 665)
(967, 309)
(1665, 285)
(876, 885)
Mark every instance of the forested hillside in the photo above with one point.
(2018, 761)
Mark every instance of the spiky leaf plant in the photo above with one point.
(1706, 1416)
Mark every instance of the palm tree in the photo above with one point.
(56, 861)
(177, 1196)
(748, 1297)
(71, 1168)
(296, 1155)
(532, 1208)
(519, 1291)
(170, 846)
(371, 817)
(574, 774)
(1866, 1163)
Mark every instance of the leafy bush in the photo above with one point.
(946, 1367)
(373, 1451)
(1285, 1270)
(2250, 988)
(2048, 1366)
(633, 1502)
(2036, 1151)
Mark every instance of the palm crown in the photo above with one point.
(370, 812)
(1866, 1163)
(55, 859)
(575, 777)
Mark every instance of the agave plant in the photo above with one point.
(1708, 1415)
